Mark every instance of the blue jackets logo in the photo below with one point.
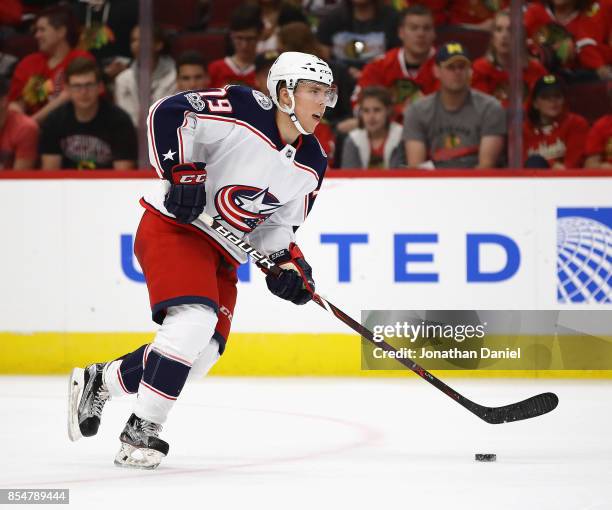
(584, 255)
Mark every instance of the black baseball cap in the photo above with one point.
(265, 59)
(451, 51)
(548, 83)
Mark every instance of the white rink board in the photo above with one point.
(60, 263)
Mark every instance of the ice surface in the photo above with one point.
(242, 443)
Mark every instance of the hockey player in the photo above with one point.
(251, 162)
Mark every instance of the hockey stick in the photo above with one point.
(529, 408)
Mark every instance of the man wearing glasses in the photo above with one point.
(239, 69)
(87, 132)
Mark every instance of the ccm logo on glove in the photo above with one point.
(187, 195)
(192, 179)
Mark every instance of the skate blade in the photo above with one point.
(130, 456)
(75, 390)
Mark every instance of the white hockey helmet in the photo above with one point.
(293, 66)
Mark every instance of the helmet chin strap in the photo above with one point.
(291, 112)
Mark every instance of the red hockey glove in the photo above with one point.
(187, 196)
(295, 283)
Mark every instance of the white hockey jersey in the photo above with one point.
(258, 186)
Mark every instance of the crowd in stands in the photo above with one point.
(422, 83)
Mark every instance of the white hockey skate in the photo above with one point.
(87, 395)
(141, 447)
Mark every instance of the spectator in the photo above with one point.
(407, 71)
(438, 8)
(475, 14)
(599, 144)
(275, 14)
(490, 73)
(299, 37)
(191, 72)
(456, 127)
(358, 31)
(18, 135)
(377, 143)
(163, 77)
(601, 10)
(88, 132)
(38, 83)
(567, 37)
(550, 130)
(106, 31)
(599, 140)
(263, 62)
(245, 30)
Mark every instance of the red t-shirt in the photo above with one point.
(577, 42)
(35, 83)
(224, 72)
(18, 139)
(562, 142)
(493, 80)
(599, 140)
(474, 11)
(405, 83)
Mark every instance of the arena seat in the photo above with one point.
(476, 42)
(176, 14)
(220, 12)
(211, 45)
(589, 99)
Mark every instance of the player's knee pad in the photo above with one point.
(186, 332)
(207, 358)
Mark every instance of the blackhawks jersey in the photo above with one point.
(259, 187)
(561, 142)
(599, 141)
(576, 42)
(405, 83)
(490, 78)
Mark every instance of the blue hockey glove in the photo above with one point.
(187, 196)
(295, 283)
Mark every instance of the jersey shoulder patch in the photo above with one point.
(264, 101)
(248, 101)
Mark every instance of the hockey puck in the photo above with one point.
(485, 457)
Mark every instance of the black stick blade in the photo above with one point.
(530, 408)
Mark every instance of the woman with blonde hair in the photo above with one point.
(490, 72)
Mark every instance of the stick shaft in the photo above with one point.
(530, 408)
